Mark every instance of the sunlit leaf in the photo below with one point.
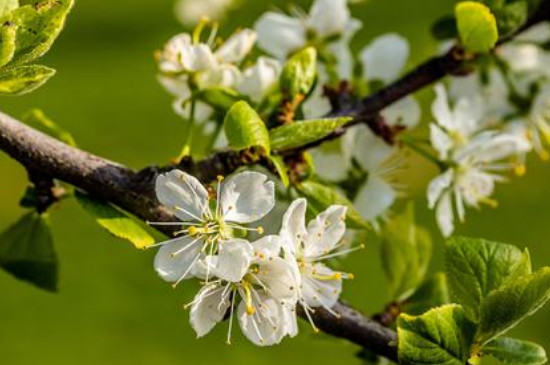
(115, 222)
(301, 133)
(23, 79)
(515, 352)
(443, 335)
(477, 26)
(244, 128)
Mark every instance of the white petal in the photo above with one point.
(174, 259)
(280, 278)
(406, 112)
(177, 86)
(316, 105)
(293, 229)
(341, 50)
(320, 293)
(197, 57)
(224, 76)
(325, 231)
(444, 215)
(265, 326)
(234, 259)
(438, 186)
(441, 109)
(468, 114)
(268, 246)
(375, 198)
(260, 78)
(182, 107)
(182, 194)
(385, 57)
(441, 141)
(330, 161)
(237, 47)
(279, 35)
(371, 151)
(329, 17)
(475, 185)
(190, 12)
(209, 308)
(539, 33)
(247, 197)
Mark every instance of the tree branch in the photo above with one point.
(134, 193)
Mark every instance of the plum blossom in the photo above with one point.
(328, 27)
(207, 229)
(186, 65)
(474, 156)
(309, 246)
(267, 291)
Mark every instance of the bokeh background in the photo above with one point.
(112, 308)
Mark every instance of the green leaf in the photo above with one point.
(432, 293)
(515, 352)
(443, 335)
(8, 32)
(27, 252)
(21, 80)
(475, 267)
(504, 308)
(281, 168)
(406, 253)
(445, 28)
(301, 133)
(115, 221)
(244, 128)
(38, 120)
(512, 16)
(321, 196)
(299, 73)
(220, 98)
(8, 5)
(38, 25)
(477, 26)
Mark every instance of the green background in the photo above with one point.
(112, 308)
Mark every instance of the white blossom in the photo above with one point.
(190, 12)
(310, 246)
(474, 158)
(329, 22)
(260, 78)
(267, 289)
(241, 199)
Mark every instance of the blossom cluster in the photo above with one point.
(485, 122)
(260, 282)
(482, 127)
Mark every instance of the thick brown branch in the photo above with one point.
(133, 192)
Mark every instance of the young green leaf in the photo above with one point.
(20, 80)
(477, 26)
(244, 128)
(504, 308)
(320, 197)
(38, 120)
(8, 5)
(281, 168)
(406, 253)
(475, 267)
(298, 76)
(38, 25)
(432, 293)
(27, 252)
(443, 335)
(301, 133)
(8, 32)
(220, 98)
(114, 221)
(515, 352)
